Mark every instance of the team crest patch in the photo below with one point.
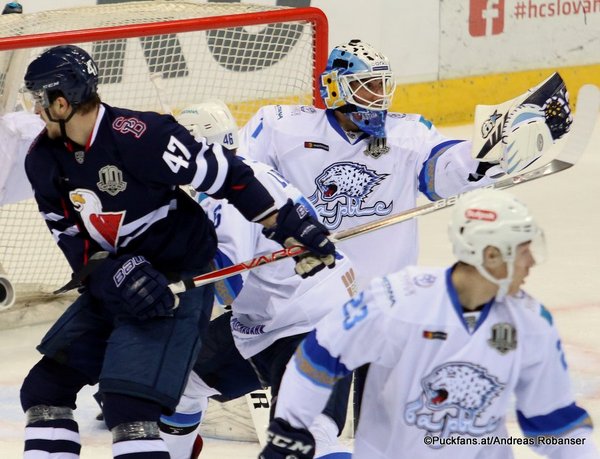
(79, 156)
(342, 191)
(103, 227)
(319, 145)
(453, 401)
(504, 337)
(111, 180)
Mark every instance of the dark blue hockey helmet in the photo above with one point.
(66, 71)
(12, 8)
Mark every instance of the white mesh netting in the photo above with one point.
(268, 60)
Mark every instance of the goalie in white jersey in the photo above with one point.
(448, 348)
(272, 308)
(359, 163)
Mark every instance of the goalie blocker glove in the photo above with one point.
(287, 442)
(129, 284)
(295, 225)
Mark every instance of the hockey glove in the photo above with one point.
(285, 441)
(295, 225)
(130, 284)
(308, 264)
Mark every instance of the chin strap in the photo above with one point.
(503, 284)
(62, 122)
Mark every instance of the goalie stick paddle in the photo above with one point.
(574, 145)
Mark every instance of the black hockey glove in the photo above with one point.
(295, 225)
(287, 442)
(130, 284)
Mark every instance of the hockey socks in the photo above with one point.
(50, 431)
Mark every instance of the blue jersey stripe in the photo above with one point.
(257, 130)
(315, 363)
(182, 419)
(427, 174)
(557, 422)
(232, 285)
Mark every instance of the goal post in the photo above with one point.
(244, 54)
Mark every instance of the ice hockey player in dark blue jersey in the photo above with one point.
(107, 179)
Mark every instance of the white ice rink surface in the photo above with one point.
(566, 206)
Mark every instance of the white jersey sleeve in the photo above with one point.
(446, 165)
(17, 132)
(544, 399)
(350, 336)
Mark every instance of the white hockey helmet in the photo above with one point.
(213, 120)
(488, 217)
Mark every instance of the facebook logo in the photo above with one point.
(486, 17)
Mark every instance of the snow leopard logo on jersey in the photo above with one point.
(347, 185)
(454, 398)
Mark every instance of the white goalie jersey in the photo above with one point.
(349, 187)
(271, 301)
(17, 132)
(437, 388)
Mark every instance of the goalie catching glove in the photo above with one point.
(287, 442)
(129, 284)
(295, 226)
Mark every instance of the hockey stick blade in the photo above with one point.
(94, 261)
(574, 146)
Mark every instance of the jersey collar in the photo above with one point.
(453, 294)
(72, 146)
(351, 138)
(101, 112)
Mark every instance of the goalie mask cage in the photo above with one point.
(161, 56)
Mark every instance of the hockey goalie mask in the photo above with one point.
(489, 217)
(212, 120)
(358, 81)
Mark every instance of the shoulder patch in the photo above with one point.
(424, 280)
(129, 125)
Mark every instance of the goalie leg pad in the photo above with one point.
(525, 137)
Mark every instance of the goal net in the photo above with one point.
(162, 56)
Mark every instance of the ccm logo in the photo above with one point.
(288, 443)
(481, 214)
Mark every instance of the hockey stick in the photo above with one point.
(575, 144)
(94, 261)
